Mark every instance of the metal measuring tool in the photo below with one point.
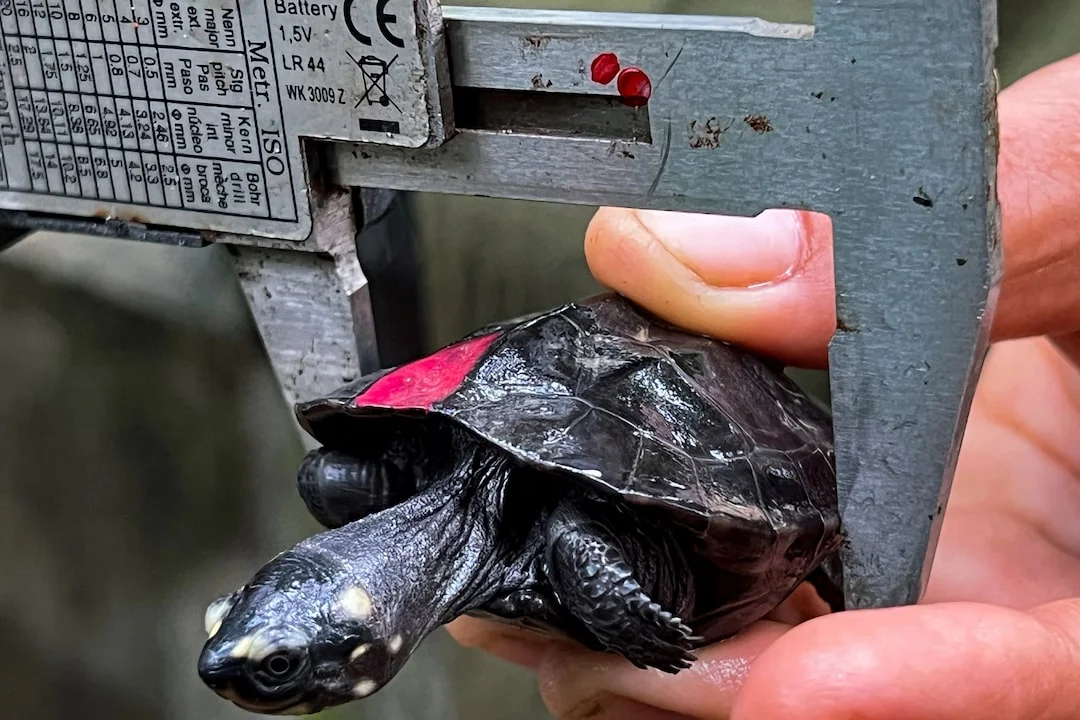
(282, 128)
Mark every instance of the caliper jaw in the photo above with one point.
(9, 236)
(313, 309)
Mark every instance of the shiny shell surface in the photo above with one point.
(716, 440)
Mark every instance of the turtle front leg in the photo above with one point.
(535, 611)
(339, 488)
(597, 570)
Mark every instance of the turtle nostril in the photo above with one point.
(213, 678)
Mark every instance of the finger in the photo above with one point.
(528, 649)
(572, 678)
(1039, 181)
(506, 642)
(731, 277)
(1010, 535)
(614, 707)
(747, 280)
(957, 661)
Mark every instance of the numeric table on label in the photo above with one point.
(143, 102)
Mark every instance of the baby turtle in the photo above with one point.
(590, 471)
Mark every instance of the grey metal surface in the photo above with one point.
(389, 253)
(101, 227)
(191, 114)
(313, 309)
(884, 117)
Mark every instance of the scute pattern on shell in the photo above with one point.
(601, 391)
(715, 439)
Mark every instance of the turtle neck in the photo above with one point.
(422, 563)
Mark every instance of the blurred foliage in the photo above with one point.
(131, 451)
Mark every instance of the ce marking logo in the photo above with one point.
(383, 18)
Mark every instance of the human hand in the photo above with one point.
(998, 633)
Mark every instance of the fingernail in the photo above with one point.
(731, 252)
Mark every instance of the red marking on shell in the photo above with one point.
(422, 383)
(635, 86)
(604, 68)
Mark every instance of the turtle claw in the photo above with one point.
(664, 643)
(626, 621)
(598, 587)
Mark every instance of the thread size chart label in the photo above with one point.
(189, 112)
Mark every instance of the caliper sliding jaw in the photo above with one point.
(881, 116)
(314, 309)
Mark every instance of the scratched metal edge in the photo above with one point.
(626, 20)
(995, 268)
(901, 309)
(431, 35)
(493, 164)
(24, 222)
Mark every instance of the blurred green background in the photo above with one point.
(146, 456)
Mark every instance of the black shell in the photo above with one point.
(717, 440)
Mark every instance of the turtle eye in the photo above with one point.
(280, 665)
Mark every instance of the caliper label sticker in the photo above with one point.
(189, 113)
(355, 69)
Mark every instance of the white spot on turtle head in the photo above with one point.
(395, 644)
(242, 647)
(356, 602)
(261, 648)
(255, 647)
(364, 688)
(215, 614)
(359, 652)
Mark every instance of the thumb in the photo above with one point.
(955, 661)
(1039, 183)
(747, 280)
(767, 282)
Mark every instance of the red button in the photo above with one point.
(635, 86)
(604, 68)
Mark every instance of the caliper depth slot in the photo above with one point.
(531, 112)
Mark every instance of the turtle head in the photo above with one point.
(300, 637)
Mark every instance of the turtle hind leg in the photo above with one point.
(590, 573)
(339, 488)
